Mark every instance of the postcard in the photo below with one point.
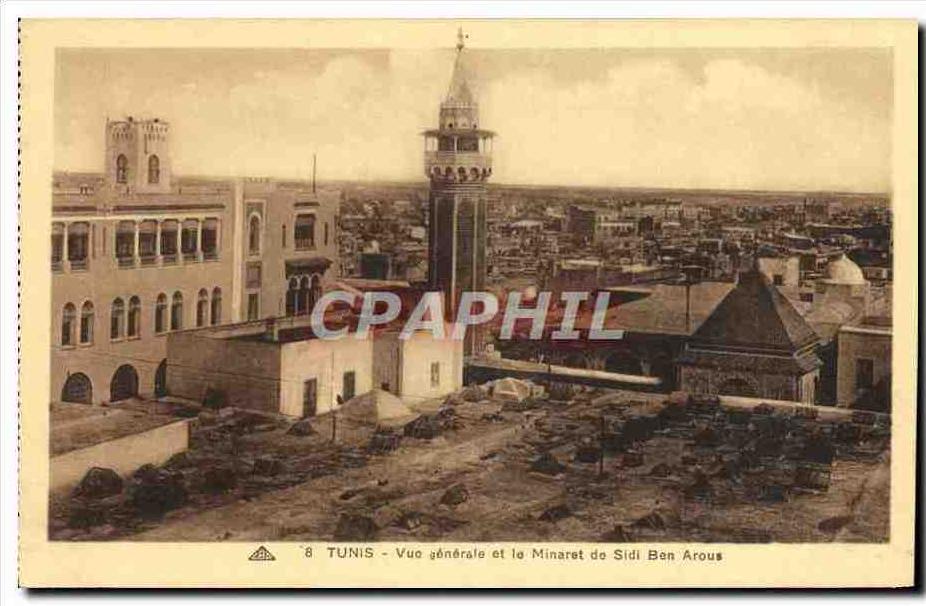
(468, 304)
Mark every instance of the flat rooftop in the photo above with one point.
(75, 426)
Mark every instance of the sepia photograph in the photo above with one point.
(630, 299)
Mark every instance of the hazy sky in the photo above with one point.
(769, 119)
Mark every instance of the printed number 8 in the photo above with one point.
(308, 552)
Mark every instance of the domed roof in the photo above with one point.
(844, 271)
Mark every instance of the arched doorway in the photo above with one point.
(78, 389)
(160, 379)
(124, 384)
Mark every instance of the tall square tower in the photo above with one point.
(458, 162)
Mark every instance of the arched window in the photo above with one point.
(202, 304)
(122, 169)
(133, 329)
(176, 311)
(116, 319)
(67, 324)
(154, 169)
(216, 305)
(291, 296)
(254, 236)
(86, 322)
(160, 314)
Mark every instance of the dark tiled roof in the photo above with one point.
(754, 316)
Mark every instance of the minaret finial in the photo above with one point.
(460, 38)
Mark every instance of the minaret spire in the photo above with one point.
(459, 93)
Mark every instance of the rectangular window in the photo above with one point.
(125, 241)
(468, 144)
(78, 241)
(284, 235)
(304, 233)
(253, 306)
(148, 241)
(252, 278)
(169, 241)
(348, 388)
(435, 374)
(326, 233)
(210, 238)
(864, 373)
(778, 279)
(57, 246)
(189, 236)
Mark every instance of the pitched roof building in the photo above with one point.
(755, 344)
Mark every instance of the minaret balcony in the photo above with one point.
(457, 166)
(455, 158)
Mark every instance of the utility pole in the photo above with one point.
(692, 277)
(601, 448)
(334, 420)
(314, 163)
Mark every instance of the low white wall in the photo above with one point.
(325, 361)
(123, 455)
(418, 353)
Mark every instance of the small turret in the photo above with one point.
(138, 155)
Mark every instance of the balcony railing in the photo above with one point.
(452, 158)
(126, 262)
(79, 264)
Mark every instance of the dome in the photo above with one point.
(844, 271)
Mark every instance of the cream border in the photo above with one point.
(45, 564)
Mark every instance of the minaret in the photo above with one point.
(458, 162)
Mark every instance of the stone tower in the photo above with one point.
(458, 163)
(137, 155)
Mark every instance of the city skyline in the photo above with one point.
(651, 140)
